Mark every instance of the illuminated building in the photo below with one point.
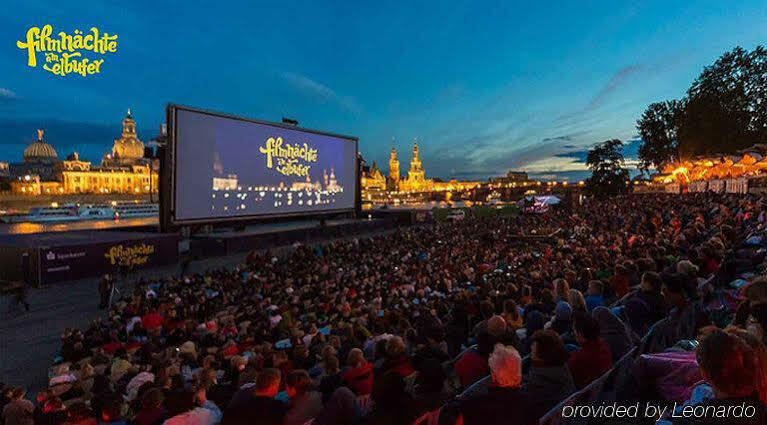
(379, 188)
(394, 166)
(329, 180)
(306, 185)
(5, 170)
(225, 183)
(332, 185)
(453, 184)
(124, 170)
(513, 177)
(32, 185)
(373, 179)
(40, 159)
(416, 176)
(128, 149)
(125, 179)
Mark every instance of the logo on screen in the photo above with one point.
(288, 159)
(66, 54)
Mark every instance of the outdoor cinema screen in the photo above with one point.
(228, 167)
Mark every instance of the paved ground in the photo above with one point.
(30, 340)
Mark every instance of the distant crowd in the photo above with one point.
(441, 323)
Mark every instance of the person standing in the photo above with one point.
(105, 290)
(20, 297)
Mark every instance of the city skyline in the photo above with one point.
(484, 90)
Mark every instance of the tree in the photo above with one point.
(608, 176)
(725, 111)
(726, 107)
(658, 130)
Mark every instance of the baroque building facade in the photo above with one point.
(123, 170)
(416, 180)
(374, 182)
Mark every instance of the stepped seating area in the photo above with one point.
(446, 323)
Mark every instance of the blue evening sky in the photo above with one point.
(484, 86)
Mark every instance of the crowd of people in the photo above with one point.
(449, 323)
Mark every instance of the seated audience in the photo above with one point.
(729, 365)
(613, 331)
(595, 297)
(549, 380)
(399, 306)
(647, 305)
(505, 401)
(359, 375)
(305, 403)
(262, 404)
(685, 318)
(18, 410)
(594, 357)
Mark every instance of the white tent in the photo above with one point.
(540, 203)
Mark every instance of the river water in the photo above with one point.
(22, 228)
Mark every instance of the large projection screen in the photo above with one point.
(229, 168)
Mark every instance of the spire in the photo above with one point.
(129, 115)
(40, 134)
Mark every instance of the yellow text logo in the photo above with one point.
(64, 54)
(136, 255)
(287, 156)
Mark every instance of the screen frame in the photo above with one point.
(168, 196)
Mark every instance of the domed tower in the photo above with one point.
(416, 172)
(394, 165)
(128, 149)
(40, 151)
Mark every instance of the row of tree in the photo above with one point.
(725, 110)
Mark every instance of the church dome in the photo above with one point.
(128, 147)
(40, 150)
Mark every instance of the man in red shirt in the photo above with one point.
(594, 357)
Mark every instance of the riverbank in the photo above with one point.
(14, 203)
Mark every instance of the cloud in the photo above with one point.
(558, 139)
(616, 81)
(491, 155)
(579, 155)
(571, 175)
(318, 90)
(7, 93)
